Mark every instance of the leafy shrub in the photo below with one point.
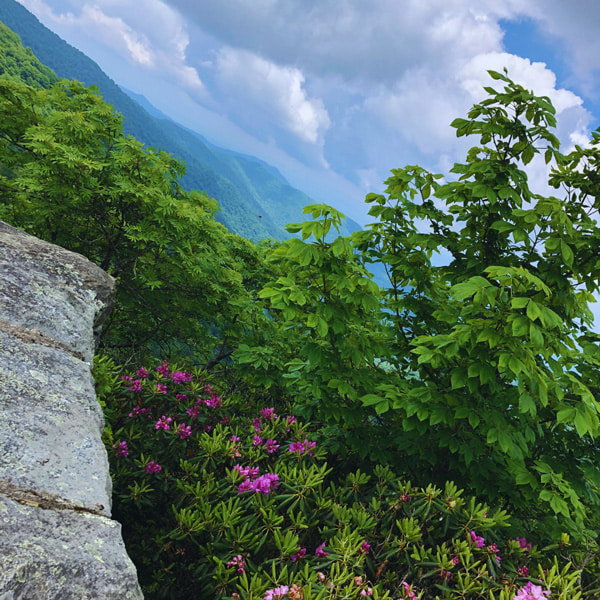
(231, 497)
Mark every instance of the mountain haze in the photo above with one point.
(255, 199)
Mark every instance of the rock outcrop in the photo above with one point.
(57, 540)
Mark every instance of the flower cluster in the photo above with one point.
(277, 593)
(254, 483)
(215, 478)
(531, 592)
(238, 563)
(302, 447)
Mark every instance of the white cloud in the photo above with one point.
(273, 89)
(145, 33)
(533, 76)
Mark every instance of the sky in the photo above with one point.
(337, 93)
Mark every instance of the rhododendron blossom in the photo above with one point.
(531, 592)
(477, 540)
(153, 468)
(184, 432)
(276, 593)
(163, 423)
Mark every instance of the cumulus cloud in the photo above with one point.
(146, 33)
(273, 89)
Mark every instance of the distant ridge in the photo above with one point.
(255, 199)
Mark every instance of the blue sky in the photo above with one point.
(335, 93)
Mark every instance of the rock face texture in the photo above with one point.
(57, 541)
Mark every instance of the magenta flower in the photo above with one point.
(180, 397)
(257, 440)
(268, 414)
(531, 592)
(264, 484)
(122, 450)
(523, 571)
(184, 432)
(247, 472)
(181, 377)
(163, 369)
(298, 555)
(456, 560)
(277, 593)
(136, 386)
(523, 543)
(300, 448)
(163, 423)
(153, 468)
(214, 401)
(476, 539)
(271, 446)
(138, 411)
(365, 548)
(142, 373)
(257, 424)
(320, 551)
(193, 412)
(238, 563)
(408, 591)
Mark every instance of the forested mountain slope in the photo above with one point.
(254, 201)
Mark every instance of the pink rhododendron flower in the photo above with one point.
(142, 373)
(408, 591)
(193, 412)
(320, 551)
(531, 592)
(268, 414)
(122, 450)
(138, 410)
(161, 387)
(181, 377)
(238, 563)
(257, 424)
(298, 555)
(257, 440)
(180, 397)
(477, 540)
(214, 401)
(277, 593)
(163, 423)
(136, 386)
(163, 369)
(365, 548)
(153, 467)
(264, 484)
(523, 543)
(367, 592)
(302, 447)
(271, 446)
(184, 432)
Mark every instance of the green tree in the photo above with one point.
(488, 371)
(75, 179)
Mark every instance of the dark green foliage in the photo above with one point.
(321, 530)
(78, 181)
(20, 63)
(481, 369)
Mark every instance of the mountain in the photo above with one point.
(256, 201)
